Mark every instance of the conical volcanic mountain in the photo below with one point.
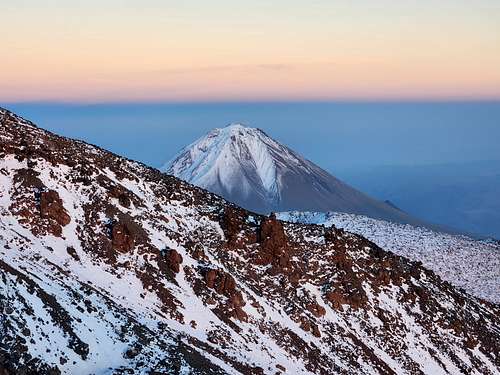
(247, 167)
(110, 267)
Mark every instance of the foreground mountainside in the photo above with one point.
(246, 166)
(107, 266)
(463, 261)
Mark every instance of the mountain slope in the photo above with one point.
(246, 166)
(463, 261)
(107, 266)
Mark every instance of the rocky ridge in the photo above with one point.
(108, 266)
(467, 263)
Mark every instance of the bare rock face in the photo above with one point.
(222, 282)
(126, 233)
(317, 310)
(28, 178)
(348, 288)
(336, 299)
(332, 234)
(121, 194)
(72, 252)
(233, 223)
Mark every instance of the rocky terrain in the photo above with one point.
(247, 167)
(110, 267)
(467, 263)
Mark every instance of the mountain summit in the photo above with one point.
(246, 166)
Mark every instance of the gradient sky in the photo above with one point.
(162, 50)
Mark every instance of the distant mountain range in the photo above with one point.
(246, 166)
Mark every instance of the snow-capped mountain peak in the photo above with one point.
(246, 166)
(237, 158)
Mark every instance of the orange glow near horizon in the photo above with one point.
(320, 50)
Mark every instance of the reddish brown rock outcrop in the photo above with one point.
(276, 251)
(171, 259)
(347, 291)
(224, 284)
(233, 222)
(309, 326)
(317, 310)
(28, 178)
(336, 299)
(51, 206)
(125, 232)
(273, 243)
(121, 194)
(122, 238)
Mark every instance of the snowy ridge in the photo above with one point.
(463, 261)
(247, 167)
(110, 267)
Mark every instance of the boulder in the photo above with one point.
(122, 238)
(51, 206)
(172, 259)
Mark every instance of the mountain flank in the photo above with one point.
(110, 267)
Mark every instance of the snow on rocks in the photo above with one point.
(473, 265)
(152, 275)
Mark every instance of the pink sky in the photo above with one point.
(222, 50)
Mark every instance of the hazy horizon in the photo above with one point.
(331, 134)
